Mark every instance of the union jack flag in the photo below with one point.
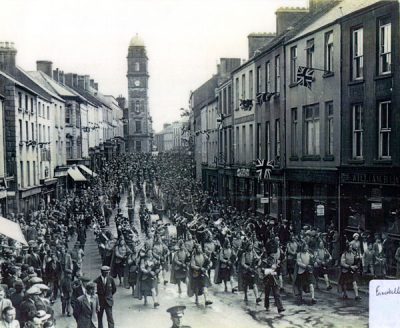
(264, 168)
(305, 76)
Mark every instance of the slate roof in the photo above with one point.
(340, 10)
(60, 89)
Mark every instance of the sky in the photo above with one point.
(184, 40)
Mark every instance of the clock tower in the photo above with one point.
(139, 131)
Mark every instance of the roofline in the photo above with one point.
(19, 84)
(53, 94)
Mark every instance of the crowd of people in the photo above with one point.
(197, 241)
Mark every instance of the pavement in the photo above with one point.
(227, 310)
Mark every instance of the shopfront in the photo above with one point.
(371, 201)
(312, 198)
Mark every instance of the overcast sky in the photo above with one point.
(184, 40)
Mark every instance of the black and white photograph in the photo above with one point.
(194, 164)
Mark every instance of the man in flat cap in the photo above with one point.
(28, 306)
(87, 307)
(176, 316)
(105, 290)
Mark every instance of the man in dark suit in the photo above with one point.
(87, 307)
(105, 290)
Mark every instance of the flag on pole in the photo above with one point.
(12, 230)
(305, 76)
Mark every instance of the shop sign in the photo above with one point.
(370, 178)
(376, 206)
(264, 200)
(320, 210)
(243, 173)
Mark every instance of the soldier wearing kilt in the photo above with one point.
(132, 263)
(304, 279)
(322, 259)
(198, 279)
(179, 267)
(225, 266)
(350, 264)
(248, 265)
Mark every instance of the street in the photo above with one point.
(227, 310)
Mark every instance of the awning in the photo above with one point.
(12, 230)
(87, 170)
(76, 175)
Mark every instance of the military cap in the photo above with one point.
(176, 311)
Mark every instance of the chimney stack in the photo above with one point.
(315, 5)
(258, 40)
(286, 18)
(121, 101)
(96, 86)
(7, 57)
(56, 75)
(92, 83)
(45, 66)
(62, 77)
(227, 65)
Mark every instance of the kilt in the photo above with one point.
(249, 279)
(320, 271)
(147, 285)
(225, 274)
(347, 278)
(198, 284)
(304, 280)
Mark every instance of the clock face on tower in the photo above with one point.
(137, 83)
